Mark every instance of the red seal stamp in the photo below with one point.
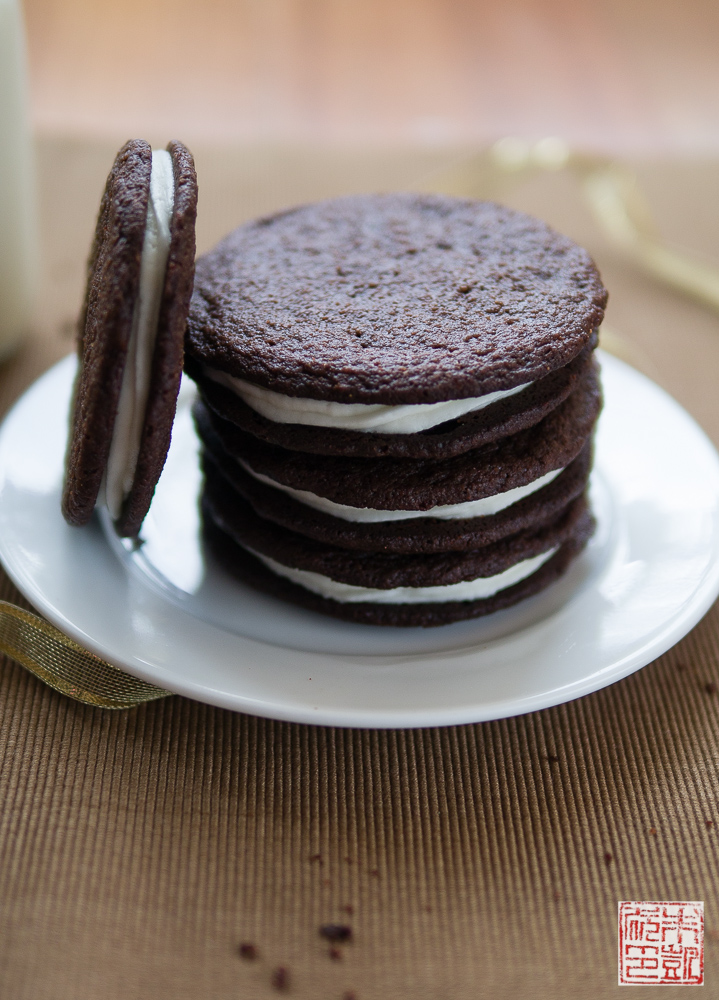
(661, 943)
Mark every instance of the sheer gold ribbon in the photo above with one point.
(612, 191)
(614, 196)
(65, 666)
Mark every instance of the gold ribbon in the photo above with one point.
(614, 196)
(612, 192)
(65, 666)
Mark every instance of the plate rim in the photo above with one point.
(701, 600)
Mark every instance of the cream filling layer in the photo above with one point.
(374, 418)
(484, 507)
(467, 590)
(130, 416)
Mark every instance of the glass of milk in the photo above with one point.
(18, 230)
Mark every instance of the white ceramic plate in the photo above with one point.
(167, 614)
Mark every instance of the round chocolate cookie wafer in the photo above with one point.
(248, 568)
(224, 478)
(390, 484)
(105, 325)
(502, 418)
(393, 299)
(132, 332)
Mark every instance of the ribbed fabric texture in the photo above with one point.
(139, 849)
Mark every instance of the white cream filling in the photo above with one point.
(373, 418)
(484, 507)
(130, 417)
(467, 590)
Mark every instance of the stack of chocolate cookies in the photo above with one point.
(397, 400)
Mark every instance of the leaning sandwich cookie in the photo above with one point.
(140, 277)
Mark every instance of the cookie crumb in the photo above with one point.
(710, 688)
(552, 758)
(248, 951)
(335, 953)
(316, 857)
(348, 909)
(608, 858)
(653, 831)
(280, 978)
(349, 995)
(709, 823)
(336, 932)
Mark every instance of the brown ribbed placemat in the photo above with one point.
(139, 848)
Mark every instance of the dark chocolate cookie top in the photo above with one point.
(403, 298)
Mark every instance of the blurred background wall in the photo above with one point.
(619, 75)
(288, 101)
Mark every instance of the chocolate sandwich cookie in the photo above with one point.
(140, 276)
(225, 481)
(253, 570)
(385, 570)
(500, 419)
(392, 485)
(393, 300)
